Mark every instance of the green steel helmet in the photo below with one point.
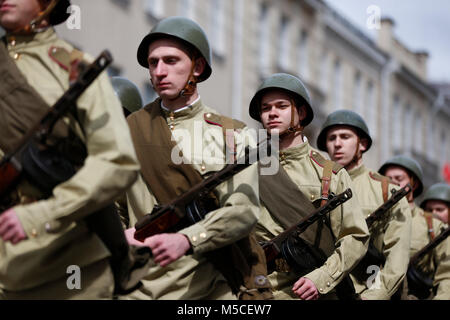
(288, 83)
(347, 118)
(59, 13)
(128, 94)
(408, 163)
(438, 191)
(184, 29)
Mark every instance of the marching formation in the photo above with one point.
(102, 197)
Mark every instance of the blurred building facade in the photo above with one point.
(382, 80)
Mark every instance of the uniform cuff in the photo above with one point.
(30, 221)
(196, 234)
(322, 280)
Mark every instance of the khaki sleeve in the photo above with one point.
(237, 215)
(442, 274)
(140, 201)
(109, 169)
(351, 243)
(396, 244)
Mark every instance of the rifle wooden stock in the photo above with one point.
(381, 210)
(172, 216)
(272, 248)
(10, 166)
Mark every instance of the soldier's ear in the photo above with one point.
(363, 143)
(301, 113)
(199, 67)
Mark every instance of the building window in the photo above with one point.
(407, 128)
(371, 111)
(418, 130)
(324, 71)
(357, 103)
(186, 9)
(155, 8)
(217, 33)
(444, 147)
(337, 97)
(303, 62)
(284, 46)
(264, 40)
(397, 138)
(123, 3)
(430, 139)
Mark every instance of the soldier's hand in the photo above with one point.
(10, 227)
(305, 289)
(129, 234)
(168, 247)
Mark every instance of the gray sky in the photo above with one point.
(419, 25)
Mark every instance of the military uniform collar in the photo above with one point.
(296, 153)
(33, 39)
(188, 111)
(355, 172)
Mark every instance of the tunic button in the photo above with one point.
(34, 233)
(208, 115)
(194, 238)
(312, 197)
(16, 56)
(328, 284)
(172, 127)
(203, 167)
(321, 290)
(13, 42)
(203, 235)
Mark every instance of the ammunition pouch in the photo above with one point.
(419, 284)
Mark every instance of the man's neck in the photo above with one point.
(180, 102)
(291, 140)
(353, 165)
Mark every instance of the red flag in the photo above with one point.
(446, 172)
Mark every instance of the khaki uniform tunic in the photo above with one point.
(192, 276)
(438, 263)
(348, 227)
(57, 235)
(391, 238)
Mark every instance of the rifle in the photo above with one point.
(420, 284)
(373, 256)
(191, 206)
(281, 244)
(303, 257)
(24, 156)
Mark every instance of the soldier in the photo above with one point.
(46, 237)
(194, 262)
(283, 106)
(436, 265)
(128, 94)
(437, 201)
(345, 136)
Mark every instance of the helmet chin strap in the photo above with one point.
(42, 15)
(292, 128)
(357, 156)
(190, 86)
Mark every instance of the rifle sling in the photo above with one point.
(288, 205)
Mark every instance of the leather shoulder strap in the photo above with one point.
(429, 218)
